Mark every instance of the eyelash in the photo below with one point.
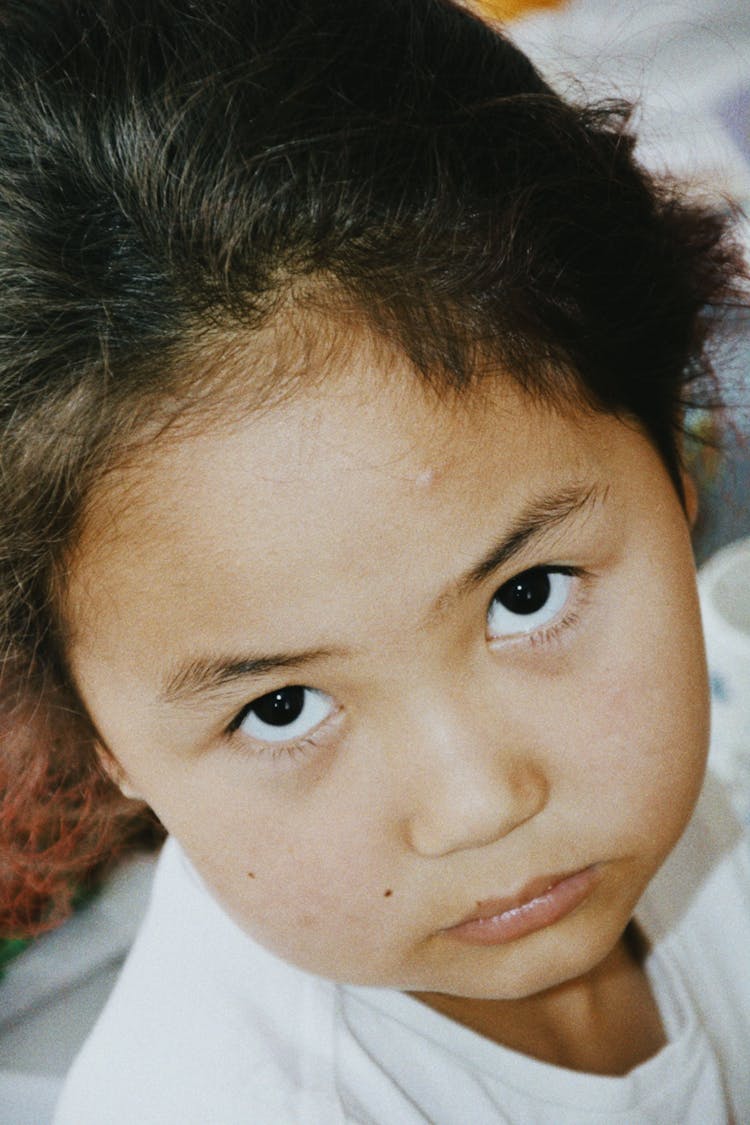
(541, 638)
(293, 750)
(274, 751)
(553, 633)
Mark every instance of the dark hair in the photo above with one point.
(175, 170)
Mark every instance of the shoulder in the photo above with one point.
(203, 1024)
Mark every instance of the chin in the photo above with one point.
(533, 966)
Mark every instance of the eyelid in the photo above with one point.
(555, 629)
(283, 748)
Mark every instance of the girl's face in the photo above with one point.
(384, 666)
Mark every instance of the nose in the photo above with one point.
(470, 792)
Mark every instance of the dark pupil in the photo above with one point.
(279, 708)
(526, 593)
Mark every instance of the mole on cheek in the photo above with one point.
(251, 874)
(388, 893)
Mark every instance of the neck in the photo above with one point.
(604, 1023)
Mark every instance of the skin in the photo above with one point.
(457, 757)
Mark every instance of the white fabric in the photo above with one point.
(207, 1028)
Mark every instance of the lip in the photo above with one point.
(541, 903)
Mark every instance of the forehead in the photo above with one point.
(288, 507)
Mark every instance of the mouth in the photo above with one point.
(538, 905)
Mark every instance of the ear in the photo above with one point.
(116, 774)
(691, 497)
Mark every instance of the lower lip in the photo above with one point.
(544, 910)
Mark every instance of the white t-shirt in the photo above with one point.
(205, 1027)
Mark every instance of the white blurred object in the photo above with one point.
(53, 992)
(724, 585)
(686, 64)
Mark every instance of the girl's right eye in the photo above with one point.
(289, 714)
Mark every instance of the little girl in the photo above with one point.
(344, 526)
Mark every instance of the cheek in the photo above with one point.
(642, 734)
(308, 881)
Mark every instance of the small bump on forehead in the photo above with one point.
(426, 478)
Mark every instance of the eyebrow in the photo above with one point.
(204, 675)
(540, 516)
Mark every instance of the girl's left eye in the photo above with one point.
(284, 715)
(529, 601)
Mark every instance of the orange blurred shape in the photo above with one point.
(507, 9)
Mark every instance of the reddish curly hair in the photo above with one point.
(64, 823)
